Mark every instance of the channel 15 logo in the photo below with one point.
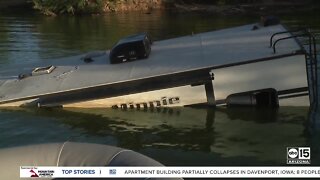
(298, 155)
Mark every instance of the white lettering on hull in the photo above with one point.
(164, 101)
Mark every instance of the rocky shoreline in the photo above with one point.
(249, 9)
(258, 8)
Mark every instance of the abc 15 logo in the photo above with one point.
(298, 153)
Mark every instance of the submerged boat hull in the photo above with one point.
(231, 66)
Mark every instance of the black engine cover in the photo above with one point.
(131, 48)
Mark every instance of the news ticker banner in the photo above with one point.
(169, 172)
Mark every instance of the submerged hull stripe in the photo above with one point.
(291, 91)
(121, 89)
(294, 95)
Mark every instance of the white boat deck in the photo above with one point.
(211, 49)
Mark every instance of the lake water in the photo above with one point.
(178, 136)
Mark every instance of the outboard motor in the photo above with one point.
(131, 48)
(259, 98)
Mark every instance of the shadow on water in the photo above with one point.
(178, 136)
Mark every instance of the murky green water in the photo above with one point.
(179, 136)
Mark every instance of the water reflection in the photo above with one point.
(260, 134)
(30, 37)
(3, 38)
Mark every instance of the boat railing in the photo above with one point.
(285, 32)
(313, 63)
(311, 57)
(288, 37)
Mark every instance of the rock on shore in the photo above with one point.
(133, 5)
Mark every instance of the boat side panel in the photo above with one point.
(283, 74)
(170, 97)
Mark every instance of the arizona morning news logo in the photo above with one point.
(298, 155)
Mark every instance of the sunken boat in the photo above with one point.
(249, 65)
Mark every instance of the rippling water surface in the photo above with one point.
(178, 136)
